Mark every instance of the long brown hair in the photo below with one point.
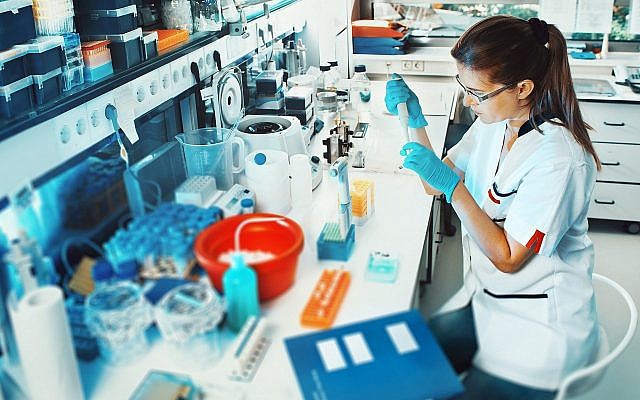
(510, 50)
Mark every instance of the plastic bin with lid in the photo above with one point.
(16, 98)
(44, 54)
(47, 86)
(108, 22)
(126, 49)
(170, 37)
(12, 65)
(97, 73)
(16, 22)
(150, 44)
(88, 5)
(96, 53)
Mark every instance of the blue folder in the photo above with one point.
(378, 50)
(393, 357)
(386, 42)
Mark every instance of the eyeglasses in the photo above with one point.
(480, 97)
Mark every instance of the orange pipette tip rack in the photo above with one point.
(326, 298)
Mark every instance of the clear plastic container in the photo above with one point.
(176, 14)
(187, 317)
(118, 315)
(207, 15)
(360, 89)
(329, 81)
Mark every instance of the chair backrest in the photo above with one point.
(604, 358)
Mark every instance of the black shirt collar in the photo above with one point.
(528, 126)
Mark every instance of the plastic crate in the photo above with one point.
(12, 65)
(44, 54)
(108, 22)
(16, 22)
(48, 86)
(16, 98)
(126, 49)
(170, 37)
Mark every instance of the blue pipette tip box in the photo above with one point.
(382, 267)
(331, 246)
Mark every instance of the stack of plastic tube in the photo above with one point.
(72, 73)
(53, 17)
(167, 232)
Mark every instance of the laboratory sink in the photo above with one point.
(593, 87)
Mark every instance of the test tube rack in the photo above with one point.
(247, 351)
(362, 201)
(325, 300)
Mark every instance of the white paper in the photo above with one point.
(402, 338)
(561, 13)
(594, 16)
(358, 348)
(634, 17)
(126, 104)
(331, 355)
(44, 342)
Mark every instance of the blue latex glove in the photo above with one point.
(430, 168)
(398, 92)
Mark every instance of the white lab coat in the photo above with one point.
(536, 325)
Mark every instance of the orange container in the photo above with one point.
(171, 37)
(275, 276)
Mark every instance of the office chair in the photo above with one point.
(584, 379)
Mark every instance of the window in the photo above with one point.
(449, 20)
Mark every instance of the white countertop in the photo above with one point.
(399, 225)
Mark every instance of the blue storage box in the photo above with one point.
(97, 73)
(16, 22)
(108, 22)
(150, 44)
(48, 86)
(44, 54)
(89, 5)
(16, 98)
(126, 50)
(12, 65)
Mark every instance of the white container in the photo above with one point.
(267, 174)
(301, 181)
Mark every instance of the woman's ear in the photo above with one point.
(524, 89)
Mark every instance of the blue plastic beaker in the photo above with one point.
(210, 151)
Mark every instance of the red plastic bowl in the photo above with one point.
(274, 276)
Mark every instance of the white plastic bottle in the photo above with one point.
(301, 180)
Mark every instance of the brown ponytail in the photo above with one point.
(510, 50)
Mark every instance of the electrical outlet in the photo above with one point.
(418, 66)
(407, 65)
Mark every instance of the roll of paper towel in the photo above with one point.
(44, 343)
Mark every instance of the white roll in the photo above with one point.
(272, 195)
(44, 342)
(301, 181)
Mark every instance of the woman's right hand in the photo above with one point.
(398, 92)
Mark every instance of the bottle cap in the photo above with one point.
(360, 68)
(260, 158)
(101, 271)
(325, 67)
(315, 159)
(333, 63)
(246, 203)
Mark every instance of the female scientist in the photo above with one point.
(528, 169)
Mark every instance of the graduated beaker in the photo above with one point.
(210, 151)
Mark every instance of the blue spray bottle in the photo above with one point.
(240, 283)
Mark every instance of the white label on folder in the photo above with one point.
(402, 338)
(331, 355)
(358, 348)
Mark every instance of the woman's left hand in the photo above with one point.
(430, 168)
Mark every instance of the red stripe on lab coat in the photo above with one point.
(493, 198)
(536, 241)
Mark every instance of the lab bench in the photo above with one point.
(400, 225)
